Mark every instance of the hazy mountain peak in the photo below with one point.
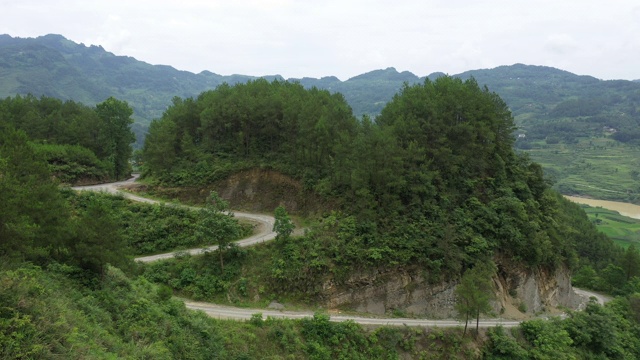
(54, 66)
(389, 74)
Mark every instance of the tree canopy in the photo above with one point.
(37, 223)
(433, 181)
(474, 292)
(80, 143)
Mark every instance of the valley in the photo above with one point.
(427, 202)
(625, 209)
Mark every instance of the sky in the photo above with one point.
(345, 38)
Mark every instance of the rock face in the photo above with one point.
(536, 290)
(260, 190)
(403, 291)
(257, 190)
(379, 292)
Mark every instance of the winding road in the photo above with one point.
(264, 230)
(265, 233)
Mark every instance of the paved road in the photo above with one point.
(264, 230)
(265, 233)
(585, 295)
(229, 312)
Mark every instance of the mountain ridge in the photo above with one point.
(94, 61)
(52, 65)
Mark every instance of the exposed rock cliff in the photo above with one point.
(536, 290)
(408, 292)
(263, 190)
(258, 190)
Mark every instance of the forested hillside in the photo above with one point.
(432, 186)
(80, 144)
(434, 182)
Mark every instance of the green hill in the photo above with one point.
(432, 189)
(584, 131)
(56, 67)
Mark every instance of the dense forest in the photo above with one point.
(37, 223)
(81, 144)
(436, 169)
(433, 183)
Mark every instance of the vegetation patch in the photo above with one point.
(623, 230)
(149, 229)
(597, 167)
(80, 144)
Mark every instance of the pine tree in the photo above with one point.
(475, 292)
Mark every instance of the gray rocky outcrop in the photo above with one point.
(408, 291)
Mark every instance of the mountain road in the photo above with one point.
(265, 233)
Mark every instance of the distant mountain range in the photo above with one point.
(53, 66)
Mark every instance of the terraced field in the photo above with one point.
(622, 229)
(600, 168)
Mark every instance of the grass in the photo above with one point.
(623, 230)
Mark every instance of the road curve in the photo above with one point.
(265, 229)
(265, 233)
(585, 295)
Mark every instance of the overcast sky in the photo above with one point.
(346, 38)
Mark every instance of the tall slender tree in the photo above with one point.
(631, 262)
(116, 135)
(475, 292)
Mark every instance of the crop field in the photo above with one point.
(600, 168)
(623, 230)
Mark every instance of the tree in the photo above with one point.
(283, 225)
(116, 135)
(501, 345)
(631, 262)
(548, 339)
(33, 215)
(612, 279)
(159, 151)
(218, 224)
(97, 241)
(475, 292)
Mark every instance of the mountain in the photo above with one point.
(546, 91)
(53, 66)
(554, 110)
(368, 93)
